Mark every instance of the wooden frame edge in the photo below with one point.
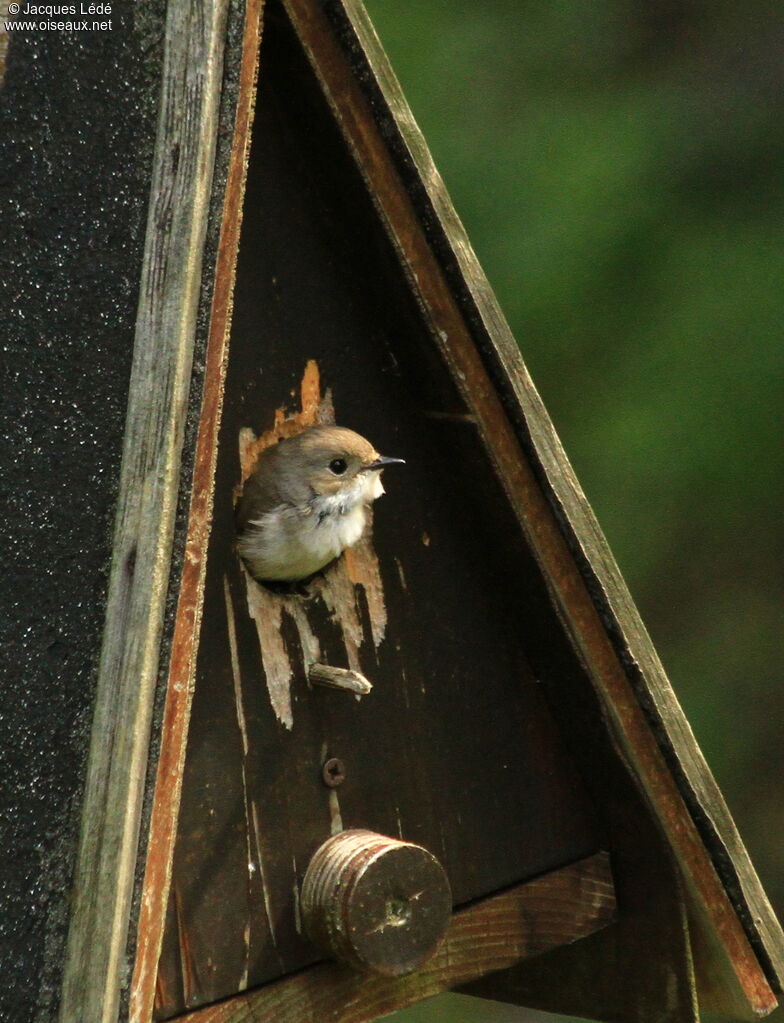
(170, 286)
(180, 684)
(557, 519)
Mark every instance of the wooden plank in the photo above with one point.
(427, 608)
(163, 824)
(640, 968)
(553, 910)
(160, 379)
(650, 980)
(737, 926)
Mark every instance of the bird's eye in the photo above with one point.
(338, 466)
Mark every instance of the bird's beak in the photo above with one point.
(381, 463)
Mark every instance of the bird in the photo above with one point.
(306, 501)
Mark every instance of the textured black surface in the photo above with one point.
(78, 116)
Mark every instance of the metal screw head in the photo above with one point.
(333, 773)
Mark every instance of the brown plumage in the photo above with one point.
(306, 501)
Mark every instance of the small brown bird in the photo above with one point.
(306, 501)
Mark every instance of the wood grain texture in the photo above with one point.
(160, 379)
(553, 910)
(339, 678)
(375, 903)
(163, 824)
(455, 748)
(735, 924)
(638, 969)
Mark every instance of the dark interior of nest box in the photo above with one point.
(455, 748)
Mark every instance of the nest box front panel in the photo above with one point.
(454, 748)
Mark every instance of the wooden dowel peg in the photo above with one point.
(339, 678)
(376, 904)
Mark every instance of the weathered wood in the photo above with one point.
(558, 908)
(455, 749)
(339, 678)
(160, 378)
(174, 730)
(375, 903)
(640, 968)
(415, 220)
(734, 921)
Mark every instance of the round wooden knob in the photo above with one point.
(375, 903)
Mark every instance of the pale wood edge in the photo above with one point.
(493, 934)
(4, 40)
(181, 677)
(149, 480)
(652, 694)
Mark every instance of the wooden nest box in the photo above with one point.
(517, 808)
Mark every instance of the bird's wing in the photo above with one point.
(260, 495)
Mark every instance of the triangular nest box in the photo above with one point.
(520, 728)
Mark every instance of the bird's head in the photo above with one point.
(332, 461)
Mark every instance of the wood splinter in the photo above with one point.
(339, 678)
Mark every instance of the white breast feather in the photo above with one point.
(289, 544)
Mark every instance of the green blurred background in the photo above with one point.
(619, 166)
